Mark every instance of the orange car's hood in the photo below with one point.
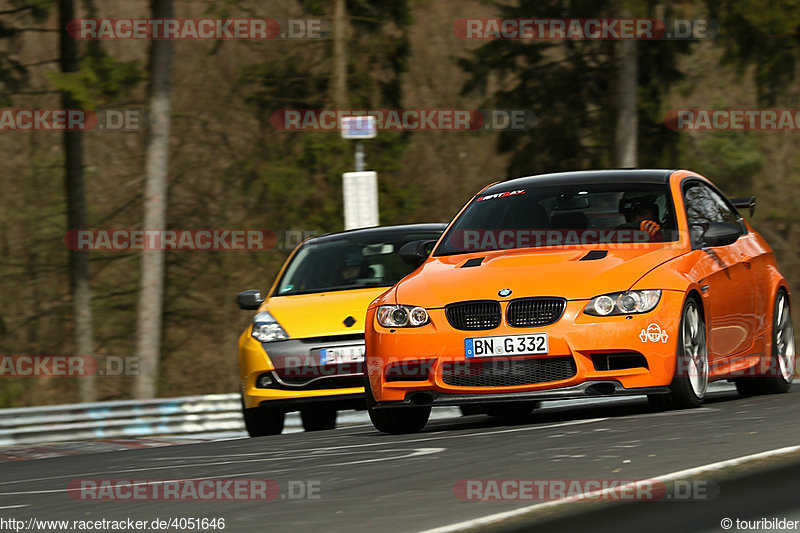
(550, 272)
(322, 314)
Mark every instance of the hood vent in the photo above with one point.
(594, 255)
(475, 261)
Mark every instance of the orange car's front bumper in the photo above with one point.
(584, 338)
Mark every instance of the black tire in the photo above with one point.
(781, 371)
(263, 421)
(318, 419)
(687, 391)
(472, 409)
(511, 411)
(396, 420)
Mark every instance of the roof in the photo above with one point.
(382, 230)
(580, 177)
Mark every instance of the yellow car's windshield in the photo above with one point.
(347, 262)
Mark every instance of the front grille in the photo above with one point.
(508, 372)
(327, 382)
(479, 314)
(533, 312)
(333, 338)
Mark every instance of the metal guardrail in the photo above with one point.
(187, 415)
(118, 419)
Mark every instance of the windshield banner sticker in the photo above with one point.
(501, 195)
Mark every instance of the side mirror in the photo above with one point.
(748, 203)
(720, 234)
(416, 252)
(249, 300)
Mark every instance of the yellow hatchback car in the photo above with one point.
(304, 350)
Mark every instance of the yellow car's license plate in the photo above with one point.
(342, 355)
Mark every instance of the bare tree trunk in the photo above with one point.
(151, 285)
(76, 209)
(338, 85)
(626, 132)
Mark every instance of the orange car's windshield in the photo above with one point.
(574, 215)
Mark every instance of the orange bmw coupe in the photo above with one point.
(576, 285)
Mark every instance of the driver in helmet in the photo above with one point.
(643, 215)
(351, 267)
(645, 218)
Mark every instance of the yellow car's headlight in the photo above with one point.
(267, 329)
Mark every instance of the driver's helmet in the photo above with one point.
(352, 258)
(632, 203)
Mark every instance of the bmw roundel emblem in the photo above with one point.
(504, 292)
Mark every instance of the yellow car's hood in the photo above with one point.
(324, 313)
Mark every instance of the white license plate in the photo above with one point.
(341, 355)
(535, 344)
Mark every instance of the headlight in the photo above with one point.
(402, 316)
(267, 329)
(623, 303)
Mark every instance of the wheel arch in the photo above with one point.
(695, 292)
(776, 282)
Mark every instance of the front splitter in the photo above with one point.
(590, 389)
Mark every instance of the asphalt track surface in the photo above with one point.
(376, 482)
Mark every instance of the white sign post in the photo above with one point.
(360, 188)
(360, 199)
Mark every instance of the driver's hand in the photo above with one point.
(650, 227)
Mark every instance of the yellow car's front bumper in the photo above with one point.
(297, 377)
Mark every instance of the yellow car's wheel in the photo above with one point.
(472, 409)
(262, 421)
(318, 419)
